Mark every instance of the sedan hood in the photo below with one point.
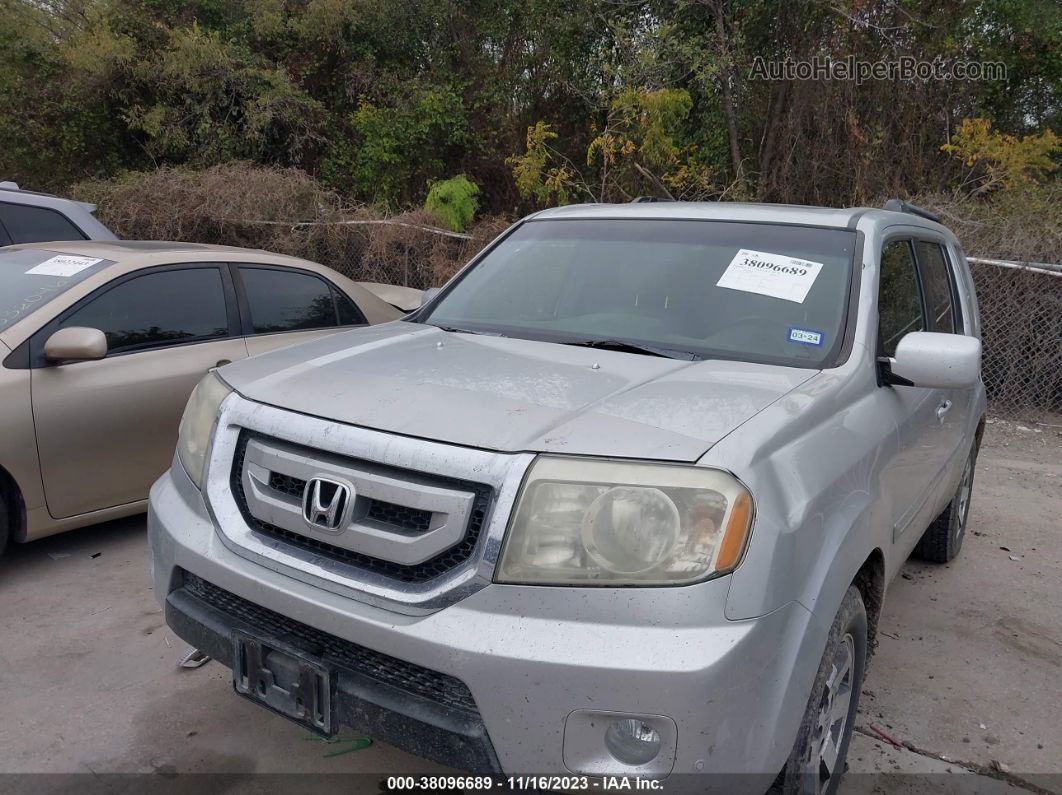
(514, 395)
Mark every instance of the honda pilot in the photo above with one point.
(624, 498)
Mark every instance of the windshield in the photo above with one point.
(699, 289)
(30, 278)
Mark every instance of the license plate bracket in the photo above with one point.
(285, 680)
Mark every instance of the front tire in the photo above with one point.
(818, 757)
(942, 540)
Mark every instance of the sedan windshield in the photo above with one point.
(31, 277)
(754, 292)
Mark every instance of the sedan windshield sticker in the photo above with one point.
(64, 265)
(805, 336)
(775, 275)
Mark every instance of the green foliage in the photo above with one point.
(394, 150)
(454, 202)
(535, 178)
(1007, 161)
(536, 101)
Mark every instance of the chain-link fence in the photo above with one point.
(1021, 322)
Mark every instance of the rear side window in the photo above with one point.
(157, 309)
(349, 314)
(936, 284)
(282, 300)
(26, 224)
(899, 302)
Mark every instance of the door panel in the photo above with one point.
(264, 343)
(106, 430)
(946, 316)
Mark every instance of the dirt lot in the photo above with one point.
(966, 677)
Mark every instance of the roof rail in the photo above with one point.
(900, 206)
(645, 199)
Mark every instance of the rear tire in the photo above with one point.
(942, 540)
(817, 760)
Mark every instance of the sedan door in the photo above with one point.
(284, 306)
(107, 429)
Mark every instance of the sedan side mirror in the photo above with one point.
(428, 294)
(75, 344)
(934, 360)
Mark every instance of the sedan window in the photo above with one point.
(281, 300)
(156, 309)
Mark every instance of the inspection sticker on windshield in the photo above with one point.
(775, 275)
(805, 336)
(63, 265)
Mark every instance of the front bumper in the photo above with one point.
(533, 658)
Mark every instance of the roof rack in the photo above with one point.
(645, 199)
(900, 206)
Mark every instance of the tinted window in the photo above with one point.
(936, 283)
(349, 315)
(158, 309)
(665, 284)
(35, 224)
(287, 301)
(899, 302)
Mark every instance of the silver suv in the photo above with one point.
(624, 498)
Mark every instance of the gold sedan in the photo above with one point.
(101, 344)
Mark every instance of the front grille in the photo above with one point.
(404, 676)
(286, 484)
(398, 516)
(402, 517)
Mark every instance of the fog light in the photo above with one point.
(632, 741)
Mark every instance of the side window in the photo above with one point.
(899, 302)
(26, 224)
(349, 314)
(287, 301)
(158, 309)
(936, 282)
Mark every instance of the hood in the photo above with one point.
(514, 395)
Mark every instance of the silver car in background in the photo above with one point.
(623, 499)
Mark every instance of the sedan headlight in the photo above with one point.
(592, 522)
(197, 425)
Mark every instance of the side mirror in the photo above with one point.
(428, 294)
(937, 361)
(75, 344)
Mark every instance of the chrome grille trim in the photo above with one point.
(500, 473)
(362, 542)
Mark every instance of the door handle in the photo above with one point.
(222, 363)
(942, 409)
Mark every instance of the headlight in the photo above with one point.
(197, 425)
(587, 522)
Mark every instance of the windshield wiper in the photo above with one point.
(632, 347)
(456, 330)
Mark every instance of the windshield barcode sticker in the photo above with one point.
(805, 336)
(775, 275)
(63, 265)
